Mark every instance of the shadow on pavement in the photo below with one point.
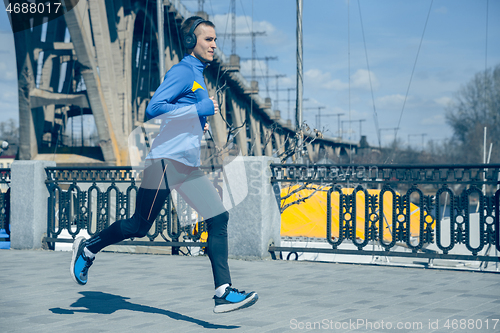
(103, 303)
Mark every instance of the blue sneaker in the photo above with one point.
(80, 264)
(234, 300)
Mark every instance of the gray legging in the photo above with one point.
(160, 177)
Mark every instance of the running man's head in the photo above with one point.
(202, 45)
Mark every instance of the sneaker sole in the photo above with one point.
(223, 308)
(76, 245)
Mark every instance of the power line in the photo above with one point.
(338, 115)
(395, 129)
(413, 71)
(253, 34)
(353, 121)
(266, 59)
(375, 115)
(412, 135)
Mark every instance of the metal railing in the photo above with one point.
(5, 177)
(90, 199)
(467, 194)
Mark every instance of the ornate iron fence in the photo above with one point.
(5, 178)
(90, 199)
(467, 194)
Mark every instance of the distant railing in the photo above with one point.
(469, 194)
(90, 199)
(5, 177)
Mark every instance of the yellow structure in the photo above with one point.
(308, 218)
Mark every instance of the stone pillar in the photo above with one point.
(254, 222)
(28, 218)
(268, 140)
(239, 116)
(256, 142)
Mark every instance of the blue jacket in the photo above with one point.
(182, 104)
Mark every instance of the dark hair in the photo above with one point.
(186, 25)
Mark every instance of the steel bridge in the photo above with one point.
(101, 59)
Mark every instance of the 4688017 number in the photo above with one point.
(471, 324)
(33, 8)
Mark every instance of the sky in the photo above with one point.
(399, 64)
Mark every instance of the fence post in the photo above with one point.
(28, 219)
(255, 220)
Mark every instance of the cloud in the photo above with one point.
(443, 101)
(246, 68)
(260, 68)
(243, 26)
(390, 101)
(10, 95)
(7, 73)
(359, 80)
(9, 109)
(319, 78)
(437, 119)
(260, 72)
(441, 10)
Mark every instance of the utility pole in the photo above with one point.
(395, 129)
(360, 131)
(276, 76)
(233, 26)
(289, 89)
(300, 80)
(278, 89)
(289, 99)
(318, 116)
(353, 121)
(253, 34)
(311, 108)
(161, 42)
(334, 115)
(200, 5)
(421, 134)
(266, 59)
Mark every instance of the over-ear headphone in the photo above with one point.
(190, 38)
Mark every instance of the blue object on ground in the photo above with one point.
(4, 235)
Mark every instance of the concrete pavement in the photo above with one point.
(162, 293)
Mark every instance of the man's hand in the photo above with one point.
(205, 129)
(216, 105)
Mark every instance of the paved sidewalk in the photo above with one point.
(160, 293)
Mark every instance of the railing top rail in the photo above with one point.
(111, 168)
(366, 173)
(91, 168)
(101, 174)
(394, 166)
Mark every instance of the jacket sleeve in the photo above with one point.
(175, 84)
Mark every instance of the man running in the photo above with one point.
(182, 103)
